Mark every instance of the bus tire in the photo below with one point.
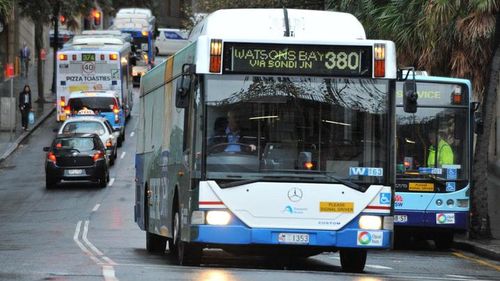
(155, 243)
(353, 260)
(187, 253)
(444, 240)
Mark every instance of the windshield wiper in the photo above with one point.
(436, 180)
(248, 181)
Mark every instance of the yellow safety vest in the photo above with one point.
(444, 157)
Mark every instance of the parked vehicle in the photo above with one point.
(171, 40)
(76, 157)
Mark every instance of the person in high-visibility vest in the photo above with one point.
(445, 154)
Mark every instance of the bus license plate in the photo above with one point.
(293, 238)
(400, 218)
(74, 172)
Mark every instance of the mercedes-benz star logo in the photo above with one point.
(295, 194)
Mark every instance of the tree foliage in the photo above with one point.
(208, 6)
(451, 38)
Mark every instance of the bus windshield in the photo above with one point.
(433, 141)
(311, 127)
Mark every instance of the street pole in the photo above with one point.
(11, 110)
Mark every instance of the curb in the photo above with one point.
(26, 134)
(476, 248)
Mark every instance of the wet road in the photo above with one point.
(88, 233)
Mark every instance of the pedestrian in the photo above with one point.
(444, 154)
(25, 106)
(25, 54)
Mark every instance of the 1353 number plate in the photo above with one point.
(293, 238)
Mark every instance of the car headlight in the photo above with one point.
(370, 222)
(218, 217)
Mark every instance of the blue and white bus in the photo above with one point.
(93, 62)
(269, 137)
(141, 25)
(432, 198)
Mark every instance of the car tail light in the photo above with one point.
(98, 155)
(51, 157)
(109, 143)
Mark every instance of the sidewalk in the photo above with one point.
(10, 140)
(489, 248)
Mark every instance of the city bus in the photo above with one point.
(94, 63)
(141, 25)
(432, 197)
(269, 138)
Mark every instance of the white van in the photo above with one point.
(171, 40)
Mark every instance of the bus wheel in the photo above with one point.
(444, 240)
(155, 243)
(353, 260)
(187, 253)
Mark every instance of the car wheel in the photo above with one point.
(353, 260)
(50, 183)
(112, 159)
(103, 181)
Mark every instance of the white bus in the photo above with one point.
(272, 132)
(94, 63)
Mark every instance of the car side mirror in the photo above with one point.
(46, 149)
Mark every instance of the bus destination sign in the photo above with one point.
(321, 60)
(88, 57)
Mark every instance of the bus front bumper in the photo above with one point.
(243, 235)
(436, 219)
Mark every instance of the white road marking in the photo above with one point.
(132, 134)
(96, 207)
(123, 155)
(81, 246)
(459, 276)
(111, 181)
(109, 273)
(86, 241)
(379, 266)
(108, 260)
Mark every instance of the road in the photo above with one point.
(87, 233)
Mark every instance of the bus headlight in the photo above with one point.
(370, 222)
(218, 217)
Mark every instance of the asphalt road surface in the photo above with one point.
(87, 233)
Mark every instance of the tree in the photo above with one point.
(445, 38)
(208, 6)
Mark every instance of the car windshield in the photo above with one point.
(307, 126)
(433, 141)
(80, 144)
(84, 127)
(100, 104)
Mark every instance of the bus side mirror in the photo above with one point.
(478, 123)
(410, 96)
(184, 85)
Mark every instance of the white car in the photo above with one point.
(94, 124)
(170, 40)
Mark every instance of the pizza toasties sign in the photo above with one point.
(321, 60)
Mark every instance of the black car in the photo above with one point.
(76, 157)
